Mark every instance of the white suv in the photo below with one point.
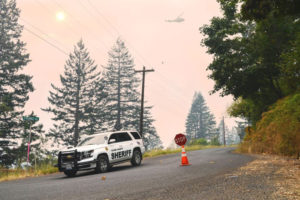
(102, 151)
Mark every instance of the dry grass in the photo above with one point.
(282, 173)
(13, 174)
(159, 152)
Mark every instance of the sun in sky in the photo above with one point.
(60, 16)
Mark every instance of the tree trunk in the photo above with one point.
(118, 122)
(76, 125)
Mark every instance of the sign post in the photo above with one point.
(180, 140)
(31, 119)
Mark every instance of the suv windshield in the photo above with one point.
(90, 140)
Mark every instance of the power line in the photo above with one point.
(142, 59)
(107, 21)
(70, 25)
(53, 45)
(93, 16)
(42, 32)
(76, 20)
(166, 85)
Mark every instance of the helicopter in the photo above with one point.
(178, 19)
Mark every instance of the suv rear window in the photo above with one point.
(124, 137)
(135, 135)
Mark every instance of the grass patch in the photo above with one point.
(159, 152)
(13, 174)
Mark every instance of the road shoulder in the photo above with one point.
(266, 177)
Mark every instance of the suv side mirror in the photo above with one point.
(112, 140)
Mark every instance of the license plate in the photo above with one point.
(68, 166)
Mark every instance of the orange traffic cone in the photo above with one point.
(184, 159)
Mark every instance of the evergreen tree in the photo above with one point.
(14, 85)
(122, 86)
(151, 139)
(200, 123)
(77, 105)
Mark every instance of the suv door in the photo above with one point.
(120, 149)
(127, 144)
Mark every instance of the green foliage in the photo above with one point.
(256, 59)
(159, 152)
(279, 129)
(258, 10)
(246, 109)
(14, 85)
(247, 57)
(200, 123)
(200, 141)
(290, 67)
(215, 142)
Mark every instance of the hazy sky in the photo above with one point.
(172, 49)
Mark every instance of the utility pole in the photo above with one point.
(142, 100)
(224, 140)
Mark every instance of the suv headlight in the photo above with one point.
(87, 154)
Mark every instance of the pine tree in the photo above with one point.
(14, 85)
(200, 123)
(122, 86)
(151, 139)
(77, 105)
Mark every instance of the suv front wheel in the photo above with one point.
(70, 173)
(136, 158)
(102, 164)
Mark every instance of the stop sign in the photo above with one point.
(180, 139)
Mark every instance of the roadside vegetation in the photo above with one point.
(159, 152)
(278, 132)
(19, 173)
(256, 50)
(193, 145)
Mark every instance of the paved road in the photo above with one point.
(155, 178)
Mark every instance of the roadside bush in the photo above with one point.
(200, 141)
(215, 142)
(278, 132)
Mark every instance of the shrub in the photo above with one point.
(278, 132)
(215, 142)
(200, 141)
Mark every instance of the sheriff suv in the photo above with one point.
(101, 151)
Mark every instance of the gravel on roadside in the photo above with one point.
(267, 177)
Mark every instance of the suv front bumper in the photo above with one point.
(71, 161)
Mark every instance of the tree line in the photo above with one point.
(87, 100)
(201, 126)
